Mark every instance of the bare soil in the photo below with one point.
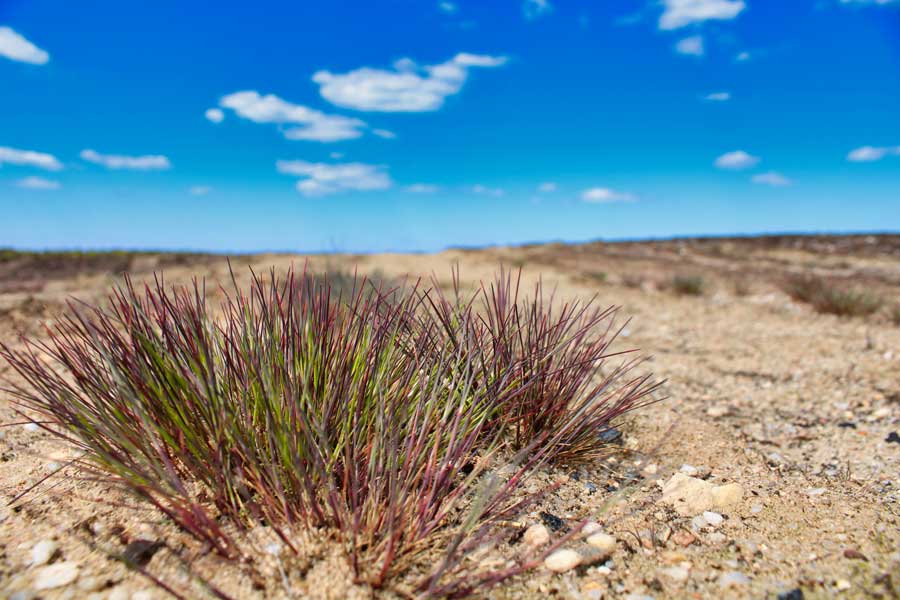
(802, 410)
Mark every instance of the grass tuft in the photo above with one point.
(830, 298)
(373, 411)
(688, 285)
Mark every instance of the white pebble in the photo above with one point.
(733, 579)
(675, 573)
(713, 518)
(603, 542)
(562, 561)
(842, 585)
(816, 491)
(590, 527)
(32, 427)
(688, 469)
(42, 552)
(274, 548)
(55, 576)
(536, 535)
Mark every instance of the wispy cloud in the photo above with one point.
(29, 158)
(717, 97)
(134, 163)
(603, 195)
(422, 188)
(691, 46)
(406, 88)
(737, 160)
(14, 46)
(681, 13)
(216, 115)
(771, 178)
(547, 186)
(38, 183)
(742, 56)
(872, 153)
(534, 9)
(323, 179)
(384, 133)
(313, 125)
(200, 190)
(448, 7)
(488, 191)
(870, 2)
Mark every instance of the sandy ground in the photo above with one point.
(795, 407)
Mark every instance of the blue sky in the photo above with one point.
(418, 125)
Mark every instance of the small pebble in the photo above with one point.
(603, 542)
(842, 585)
(144, 595)
(42, 552)
(756, 509)
(54, 576)
(794, 594)
(688, 469)
(816, 491)
(683, 538)
(562, 561)
(273, 548)
(536, 536)
(717, 411)
(698, 523)
(675, 573)
(713, 518)
(651, 469)
(733, 579)
(32, 427)
(715, 538)
(552, 521)
(591, 527)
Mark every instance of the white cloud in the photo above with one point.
(38, 183)
(736, 160)
(407, 88)
(216, 115)
(314, 125)
(717, 97)
(488, 191)
(602, 195)
(29, 158)
(422, 188)
(534, 9)
(771, 178)
(200, 190)
(135, 163)
(448, 7)
(336, 155)
(871, 2)
(547, 186)
(680, 13)
(322, 179)
(15, 47)
(692, 46)
(384, 133)
(742, 56)
(872, 153)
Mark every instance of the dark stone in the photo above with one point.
(847, 425)
(552, 521)
(610, 436)
(794, 594)
(591, 488)
(139, 552)
(893, 437)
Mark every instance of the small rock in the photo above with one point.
(717, 411)
(42, 552)
(273, 548)
(536, 536)
(31, 427)
(683, 538)
(638, 597)
(603, 542)
(52, 466)
(609, 436)
(675, 573)
(689, 470)
(713, 518)
(691, 496)
(842, 585)
(893, 438)
(816, 491)
(651, 469)
(794, 594)
(591, 527)
(715, 538)
(54, 576)
(140, 551)
(756, 509)
(562, 561)
(698, 523)
(733, 579)
(91, 584)
(552, 521)
(144, 595)
(854, 554)
(672, 557)
(590, 487)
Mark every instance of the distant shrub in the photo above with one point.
(895, 314)
(829, 298)
(632, 280)
(688, 285)
(742, 288)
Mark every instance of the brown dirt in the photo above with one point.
(794, 406)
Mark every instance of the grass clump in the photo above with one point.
(830, 298)
(375, 413)
(688, 285)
